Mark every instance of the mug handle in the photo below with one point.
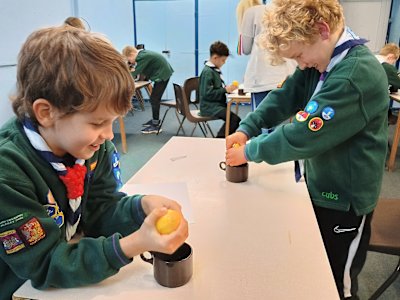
(148, 260)
(222, 165)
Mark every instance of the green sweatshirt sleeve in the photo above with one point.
(296, 140)
(107, 210)
(391, 72)
(211, 89)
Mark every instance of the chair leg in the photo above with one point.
(180, 126)
(139, 96)
(209, 128)
(387, 283)
(162, 120)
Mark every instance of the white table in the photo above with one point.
(252, 240)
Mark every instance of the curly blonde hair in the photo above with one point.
(286, 21)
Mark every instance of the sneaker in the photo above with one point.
(148, 123)
(151, 129)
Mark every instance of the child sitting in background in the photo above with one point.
(212, 88)
(388, 56)
(156, 68)
(58, 169)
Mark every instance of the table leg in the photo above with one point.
(228, 117)
(123, 135)
(393, 150)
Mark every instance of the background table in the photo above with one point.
(252, 240)
(234, 97)
(396, 137)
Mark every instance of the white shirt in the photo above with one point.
(260, 75)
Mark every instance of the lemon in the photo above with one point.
(236, 145)
(168, 222)
(235, 83)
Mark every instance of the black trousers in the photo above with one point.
(346, 238)
(155, 97)
(233, 124)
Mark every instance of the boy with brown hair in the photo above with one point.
(59, 171)
(339, 129)
(212, 89)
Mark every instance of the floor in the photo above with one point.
(142, 147)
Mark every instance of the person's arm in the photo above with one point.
(391, 72)
(247, 32)
(208, 88)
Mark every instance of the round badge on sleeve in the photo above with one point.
(315, 124)
(311, 107)
(327, 113)
(302, 116)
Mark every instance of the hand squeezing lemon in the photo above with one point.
(236, 145)
(169, 222)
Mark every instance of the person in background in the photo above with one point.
(339, 128)
(262, 74)
(64, 168)
(212, 88)
(156, 68)
(241, 7)
(388, 56)
(74, 22)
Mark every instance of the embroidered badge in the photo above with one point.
(327, 113)
(11, 241)
(32, 231)
(311, 107)
(116, 169)
(302, 116)
(315, 124)
(55, 213)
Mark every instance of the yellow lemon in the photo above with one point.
(236, 145)
(168, 222)
(235, 83)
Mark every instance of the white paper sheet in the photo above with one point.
(173, 190)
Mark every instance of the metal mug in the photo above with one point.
(235, 173)
(172, 270)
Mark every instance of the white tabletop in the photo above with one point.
(252, 240)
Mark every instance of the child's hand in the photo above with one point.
(147, 238)
(235, 156)
(230, 88)
(235, 138)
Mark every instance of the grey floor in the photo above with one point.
(142, 147)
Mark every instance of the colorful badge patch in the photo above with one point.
(116, 169)
(11, 241)
(315, 124)
(302, 116)
(328, 113)
(32, 231)
(55, 213)
(311, 107)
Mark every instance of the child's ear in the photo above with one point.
(324, 30)
(44, 112)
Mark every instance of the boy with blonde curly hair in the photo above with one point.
(339, 128)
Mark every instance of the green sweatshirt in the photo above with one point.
(391, 72)
(28, 188)
(212, 93)
(153, 65)
(345, 158)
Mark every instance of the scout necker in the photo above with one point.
(59, 171)
(337, 95)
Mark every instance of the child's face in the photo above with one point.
(218, 61)
(316, 55)
(80, 134)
